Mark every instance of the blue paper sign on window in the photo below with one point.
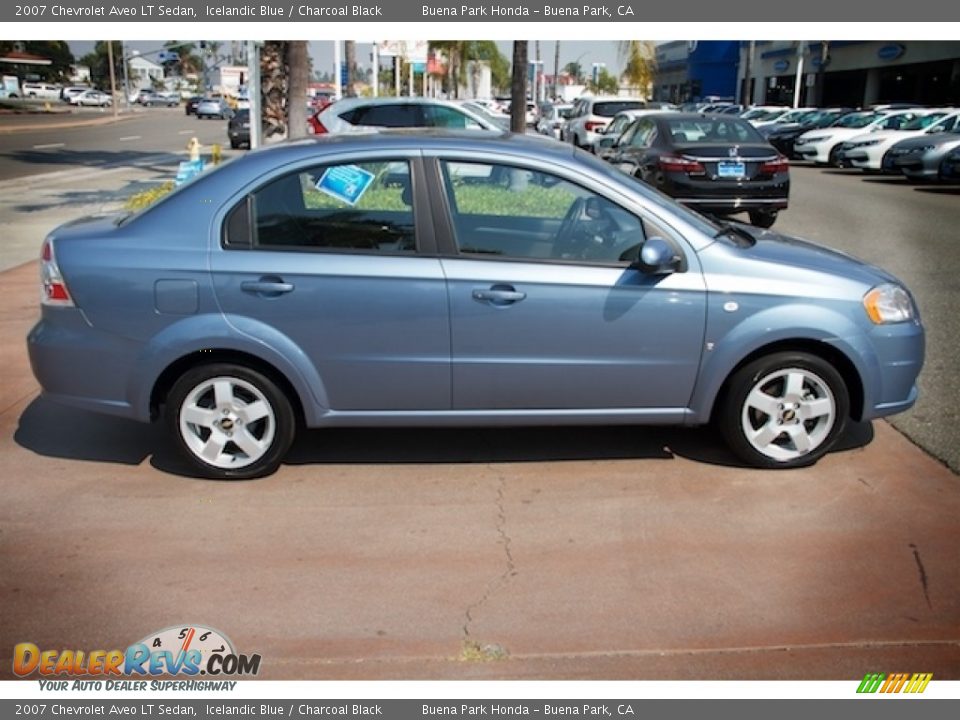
(345, 182)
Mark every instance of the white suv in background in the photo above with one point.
(41, 90)
(352, 115)
(591, 115)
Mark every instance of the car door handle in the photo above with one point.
(267, 286)
(499, 295)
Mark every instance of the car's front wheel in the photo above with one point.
(784, 410)
(230, 422)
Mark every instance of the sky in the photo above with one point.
(586, 52)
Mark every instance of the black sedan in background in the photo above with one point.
(783, 136)
(238, 129)
(714, 163)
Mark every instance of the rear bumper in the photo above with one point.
(80, 366)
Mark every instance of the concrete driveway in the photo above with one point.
(537, 553)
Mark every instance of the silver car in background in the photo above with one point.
(920, 158)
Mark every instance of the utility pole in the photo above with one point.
(375, 57)
(338, 91)
(556, 68)
(256, 104)
(113, 79)
(798, 81)
(747, 96)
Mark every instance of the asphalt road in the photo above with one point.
(139, 136)
(914, 232)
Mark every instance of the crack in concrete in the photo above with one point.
(510, 569)
(923, 575)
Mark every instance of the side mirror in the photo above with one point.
(606, 142)
(657, 257)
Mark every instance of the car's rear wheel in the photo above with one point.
(763, 218)
(230, 422)
(784, 410)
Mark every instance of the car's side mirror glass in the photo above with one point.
(657, 257)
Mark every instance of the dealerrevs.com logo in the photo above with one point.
(911, 683)
(189, 650)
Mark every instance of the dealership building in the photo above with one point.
(836, 72)
(850, 72)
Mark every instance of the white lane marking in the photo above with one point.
(130, 137)
(49, 145)
(185, 132)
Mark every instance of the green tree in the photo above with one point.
(57, 51)
(99, 63)
(606, 83)
(574, 70)
(189, 63)
(640, 63)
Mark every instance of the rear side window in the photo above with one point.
(358, 207)
(390, 116)
(445, 117)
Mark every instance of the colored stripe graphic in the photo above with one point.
(895, 683)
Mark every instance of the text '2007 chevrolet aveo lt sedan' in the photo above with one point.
(430, 279)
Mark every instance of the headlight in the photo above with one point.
(867, 143)
(888, 303)
(811, 140)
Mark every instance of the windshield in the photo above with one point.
(924, 121)
(858, 120)
(757, 113)
(611, 108)
(702, 223)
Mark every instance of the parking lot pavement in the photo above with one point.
(565, 553)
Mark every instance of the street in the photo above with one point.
(139, 136)
(539, 553)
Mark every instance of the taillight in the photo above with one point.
(676, 163)
(54, 289)
(318, 128)
(594, 126)
(772, 167)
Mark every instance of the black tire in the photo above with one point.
(822, 388)
(832, 159)
(274, 430)
(763, 218)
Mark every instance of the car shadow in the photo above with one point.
(93, 197)
(143, 159)
(941, 190)
(53, 430)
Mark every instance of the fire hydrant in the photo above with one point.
(194, 147)
(216, 154)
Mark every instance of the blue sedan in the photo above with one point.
(433, 278)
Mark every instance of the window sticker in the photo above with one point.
(347, 183)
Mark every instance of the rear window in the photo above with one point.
(709, 130)
(612, 107)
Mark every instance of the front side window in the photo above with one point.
(507, 212)
(365, 207)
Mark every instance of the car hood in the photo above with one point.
(785, 265)
(837, 133)
(937, 139)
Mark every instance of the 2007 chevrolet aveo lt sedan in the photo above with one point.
(437, 279)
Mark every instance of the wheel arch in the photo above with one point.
(825, 351)
(165, 381)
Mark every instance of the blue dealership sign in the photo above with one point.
(347, 183)
(890, 52)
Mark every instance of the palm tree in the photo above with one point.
(518, 88)
(640, 63)
(350, 60)
(298, 75)
(273, 88)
